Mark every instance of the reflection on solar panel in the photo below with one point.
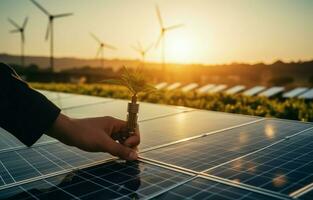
(186, 153)
(168, 129)
(205, 88)
(307, 95)
(206, 152)
(217, 88)
(202, 188)
(189, 87)
(284, 167)
(272, 91)
(174, 86)
(235, 89)
(253, 91)
(132, 180)
(295, 92)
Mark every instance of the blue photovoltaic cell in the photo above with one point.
(168, 129)
(201, 188)
(206, 152)
(116, 179)
(284, 167)
(28, 163)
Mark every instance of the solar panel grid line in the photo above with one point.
(30, 194)
(167, 115)
(89, 104)
(74, 197)
(261, 149)
(200, 135)
(217, 179)
(5, 168)
(30, 164)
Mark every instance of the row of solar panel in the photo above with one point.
(46, 169)
(300, 92)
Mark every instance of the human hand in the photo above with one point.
(95, 135)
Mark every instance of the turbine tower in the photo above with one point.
(49, 32)
(21, 30)
(100, 50)
(142, 51)
(163, 31)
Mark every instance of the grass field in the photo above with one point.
(296, 109)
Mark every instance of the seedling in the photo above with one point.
(136, 83)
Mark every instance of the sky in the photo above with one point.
(214, 32)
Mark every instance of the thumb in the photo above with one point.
(121, 151)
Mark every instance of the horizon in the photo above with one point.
(209, 37)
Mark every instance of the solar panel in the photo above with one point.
(295, 92)
(307, 95)
(174, 86)
(205, 88)
(202, 188)
(272, 91)
(161, 85)
(205, 152)
(190, 87)
(78, 100)
(131, 180)
(176, 127)
(235, 89)
(118, 109)
(217, 88)
(186, 153)
(253, 91)
(54, 95)
(284, 167)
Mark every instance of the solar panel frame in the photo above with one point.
(307, 95)
(189, 87)
(295, 92)
(272, 91)
(253, 91)
(205, 88)
(161, 85)
(217, 88)
(174, 86)
(236, 89)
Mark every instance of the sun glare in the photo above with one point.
(179, 49)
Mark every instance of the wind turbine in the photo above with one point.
(20, 29)
(102, 45)
(49, 32)
(163, 31)
(141, 50)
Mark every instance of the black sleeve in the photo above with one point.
(24, 112)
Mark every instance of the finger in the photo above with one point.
(118, 125)
(119, 150)
(133, 140)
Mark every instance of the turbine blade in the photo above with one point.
(98, 51)
(108, 46)
(48, 31)
(159, 15)
(25, 22)
(40, 7)
(174, 27)
(159, 40)
(148, 48)
(14, 23)
(140, 46)
(96, 38)
(63, 15)
(15, 31)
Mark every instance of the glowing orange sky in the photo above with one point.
(221, 31)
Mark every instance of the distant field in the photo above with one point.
(259, 106)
